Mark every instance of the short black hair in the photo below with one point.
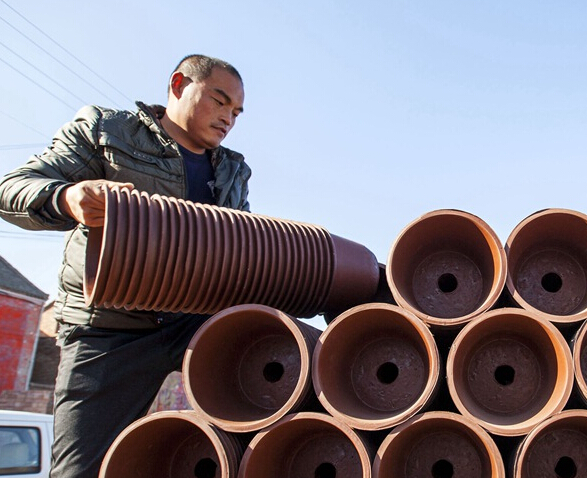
(199, 67)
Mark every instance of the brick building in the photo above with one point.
(29, 355)
(21, 306)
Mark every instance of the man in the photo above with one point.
(113, 362)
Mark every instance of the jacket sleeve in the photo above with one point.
(28, 195)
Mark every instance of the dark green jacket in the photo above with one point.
(116, 145)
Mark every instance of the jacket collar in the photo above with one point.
(150, 115)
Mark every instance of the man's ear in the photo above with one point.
(177, 83)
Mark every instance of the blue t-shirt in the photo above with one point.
(200, 181)
(200, 176)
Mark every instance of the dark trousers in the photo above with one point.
(106, 380)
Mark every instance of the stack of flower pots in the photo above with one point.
(459, 357)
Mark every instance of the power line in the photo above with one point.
(38, 84)
(66, 51)
(59, 61)
(44, 74)
(7, 147)
(23, 124)
(30, 235)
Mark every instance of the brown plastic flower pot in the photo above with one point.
(579, 350)
(167, 254)
(375, 366)
(557, 447)
(447, 267)
(438, 444)
(547, 264)
(173, 444)
(248, 366)
(509, 370)
(307, 444)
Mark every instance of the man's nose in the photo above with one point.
(227, 118)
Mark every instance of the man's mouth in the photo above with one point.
(223, 130)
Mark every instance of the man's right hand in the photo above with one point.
(86, 201)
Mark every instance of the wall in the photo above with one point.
(19, 323)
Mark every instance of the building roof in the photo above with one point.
(13, 281)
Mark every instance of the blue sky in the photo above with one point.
(359, 116)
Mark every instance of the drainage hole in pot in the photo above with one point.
(387, 372)
(205, 468)
(442, 469)
(325, 470)
(551, 282)
(565, 468)
(273, 371)
(504, 374)
(447, 283)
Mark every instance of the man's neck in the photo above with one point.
(178, 134)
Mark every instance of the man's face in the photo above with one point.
(208, 109)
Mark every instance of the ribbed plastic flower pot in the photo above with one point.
(166, 254)
(509, 370)
(579, 351)
(438, 444)
(557, 447)
(447, 267)
(173, 444)
(547, 264)
(307, 444)
(375, 366)
(248, 366)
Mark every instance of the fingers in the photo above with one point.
(86, 201)
(111, 184)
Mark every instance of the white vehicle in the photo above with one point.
(25, 444)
